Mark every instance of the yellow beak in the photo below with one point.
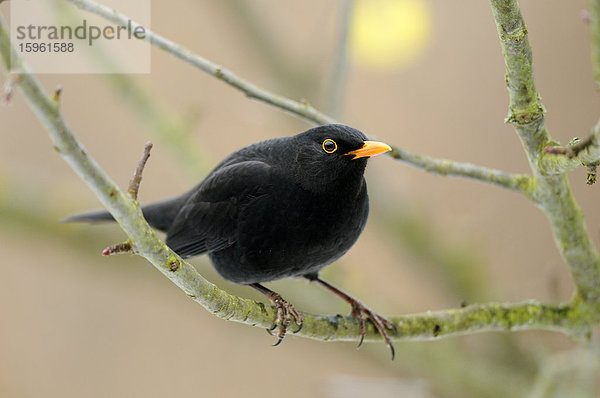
(370, 148)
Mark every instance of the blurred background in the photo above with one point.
(425, 75)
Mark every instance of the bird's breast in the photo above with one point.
(293, 232)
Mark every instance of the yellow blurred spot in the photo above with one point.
(389, 34)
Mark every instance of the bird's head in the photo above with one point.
(332, 154)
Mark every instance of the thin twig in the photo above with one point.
(578, 152)
(249, 17)
(169, 129)
(119, 248)
(572, 151)
(166, 126)
(445, 167)
(298, 108)
(57, 93)
(11, 82)
(134, 184)
(339, 71)
(594, 22)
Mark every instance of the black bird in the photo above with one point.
(284, 207)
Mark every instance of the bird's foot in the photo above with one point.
(362, 313)
(285, 311)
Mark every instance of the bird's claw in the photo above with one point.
(299, 327)
(270, 330)
(362, 313)
(285, 311)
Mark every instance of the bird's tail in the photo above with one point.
(160, 215)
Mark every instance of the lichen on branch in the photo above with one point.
(551, 193)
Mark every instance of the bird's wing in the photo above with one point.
(208, 220)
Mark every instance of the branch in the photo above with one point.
(134, 184)
(526, 112)
(551, 192)
(575, 318)
(444, 167)
(302, 109)
(248, 17)
(558, 160)
(9, 86)
(595, 33)
(339, 70)
(587, 152)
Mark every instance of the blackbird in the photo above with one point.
(284, 207)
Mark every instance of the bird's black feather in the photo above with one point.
(208, 219)
(278, 208)
(281, 207)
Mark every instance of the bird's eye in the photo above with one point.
(329, 146)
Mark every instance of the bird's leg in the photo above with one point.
(362, 312)
(285, 311)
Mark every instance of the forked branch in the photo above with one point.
(527, 116)
(575, 318)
